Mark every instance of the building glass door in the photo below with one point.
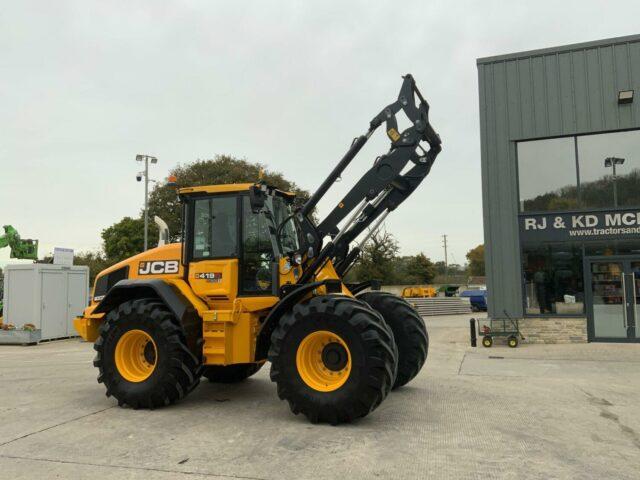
(614, 288)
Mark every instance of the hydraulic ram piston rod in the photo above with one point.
(356, 146)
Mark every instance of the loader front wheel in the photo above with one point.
(142, 355)
(332, 359)
(409, 331)
(230, 373)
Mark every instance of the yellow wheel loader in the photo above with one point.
(255, 279)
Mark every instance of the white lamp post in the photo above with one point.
(146, 159)
(612, 162)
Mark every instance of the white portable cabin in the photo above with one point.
(46, 295)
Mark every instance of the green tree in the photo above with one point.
(596, 193)
(223, 169)
(475, 256)
(95, 261)
(126, 238)
(378, 259)
(419, 270)
(451, 269)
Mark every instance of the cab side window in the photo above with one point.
(215, 231)
(257, 252)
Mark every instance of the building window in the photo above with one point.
(612, 247)
(553, 279)
(547, 175)
(599, 188)
(570, 173)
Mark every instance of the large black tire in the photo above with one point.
(176, 371)
(409, 332)
(369, 343)
(231, 373)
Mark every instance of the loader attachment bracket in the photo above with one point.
(379, 191)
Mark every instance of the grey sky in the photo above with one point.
(87, 85)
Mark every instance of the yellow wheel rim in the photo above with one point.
(323, 361)
(136, 356)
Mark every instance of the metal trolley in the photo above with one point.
(503, 327)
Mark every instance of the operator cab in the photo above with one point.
(235, 237)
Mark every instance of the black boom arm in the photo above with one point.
(379, 191)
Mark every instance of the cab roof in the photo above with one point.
(228, 188)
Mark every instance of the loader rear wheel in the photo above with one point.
(142, 355)
(231, 373)
(409, 331)
(332, 359)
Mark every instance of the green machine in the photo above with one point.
(23, 249)
(26, 249)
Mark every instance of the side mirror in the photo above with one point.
(257, 198)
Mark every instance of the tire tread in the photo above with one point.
(377, 339)
(183, 374)
(409, 331)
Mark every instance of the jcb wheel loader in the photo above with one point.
(255, 279)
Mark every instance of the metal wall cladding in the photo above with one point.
(543, 93)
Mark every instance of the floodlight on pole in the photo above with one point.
(146, 159)
(625, 97)
(611, 162)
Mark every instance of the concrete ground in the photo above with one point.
(539, 411)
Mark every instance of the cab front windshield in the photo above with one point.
(288, 236)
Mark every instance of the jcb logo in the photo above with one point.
(158, 267)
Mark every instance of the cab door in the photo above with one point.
(213, 242)
(258, 266)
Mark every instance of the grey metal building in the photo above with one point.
(560, 135)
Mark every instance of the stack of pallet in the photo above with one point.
(440, 305)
